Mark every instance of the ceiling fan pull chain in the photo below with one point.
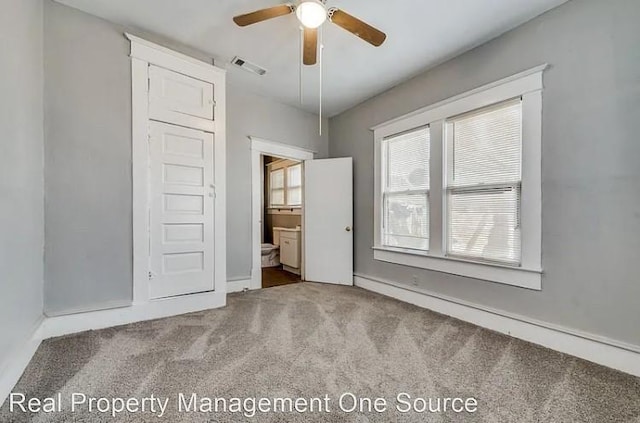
(301, 67)
(320, 94)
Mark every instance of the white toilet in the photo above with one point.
(271, 252)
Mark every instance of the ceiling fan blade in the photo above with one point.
(262, 15)
(310, 46)
(357, 27)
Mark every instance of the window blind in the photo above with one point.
(276, 186)
(484, 180)
(294, 185)
(406, 190)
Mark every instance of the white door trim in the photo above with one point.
(260, 147)
(144, 53)
(169, 59)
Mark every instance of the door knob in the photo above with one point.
(348, 229)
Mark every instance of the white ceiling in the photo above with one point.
(420, 34)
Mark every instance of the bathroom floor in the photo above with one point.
(276, 276)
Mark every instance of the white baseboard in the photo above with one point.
(155, 309)
(256, 278)
(89, 308)
(17, 360)
(594, 348)
(238, 285)
(50, 327)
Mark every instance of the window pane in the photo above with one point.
(406, 221)
(408, 160)
(277, 197)
(294, 178)
(277, 179)
(294, 196)
(487, 146)
(485, 225)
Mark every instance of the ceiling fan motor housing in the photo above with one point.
(311, 13)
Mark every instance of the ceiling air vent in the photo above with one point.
(248, 66)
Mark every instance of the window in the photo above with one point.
(294, 185)
(484, 152)
(406, 190)
(276, 188)
(458, 184)
(285, 184)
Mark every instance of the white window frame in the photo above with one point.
(385, 193)
(450, 189)
(289, 187)
(286, 187)
(529, 86)
(283, 188)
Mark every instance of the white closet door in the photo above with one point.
(174, 93)
(181, 211)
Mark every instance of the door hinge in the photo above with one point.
(150, 275)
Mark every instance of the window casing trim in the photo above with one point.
(524, 278)
(518, 84)
(284, 167)
(528, 85)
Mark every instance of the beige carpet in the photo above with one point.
(307, 340)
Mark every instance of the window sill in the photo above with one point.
(295, 210)
(515, 276)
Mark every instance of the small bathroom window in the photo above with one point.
(294, 185)
(277, 191)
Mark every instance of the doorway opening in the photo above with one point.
(285, 217)
(282, 228)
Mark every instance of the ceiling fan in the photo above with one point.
(312, 14)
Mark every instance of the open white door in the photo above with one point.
(328, 220)
(181, 211)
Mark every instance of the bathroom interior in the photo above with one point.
(282, 222)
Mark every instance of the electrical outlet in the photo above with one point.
(414, 280)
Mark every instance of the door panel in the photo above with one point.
(174, 92)
(181, 210)
(289, 252)
(328, 220)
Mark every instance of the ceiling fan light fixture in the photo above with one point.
(311, 13)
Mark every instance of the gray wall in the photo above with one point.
(21, 185)
(88, 235)
(88, 253)
(591, 165)
(249, 114)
